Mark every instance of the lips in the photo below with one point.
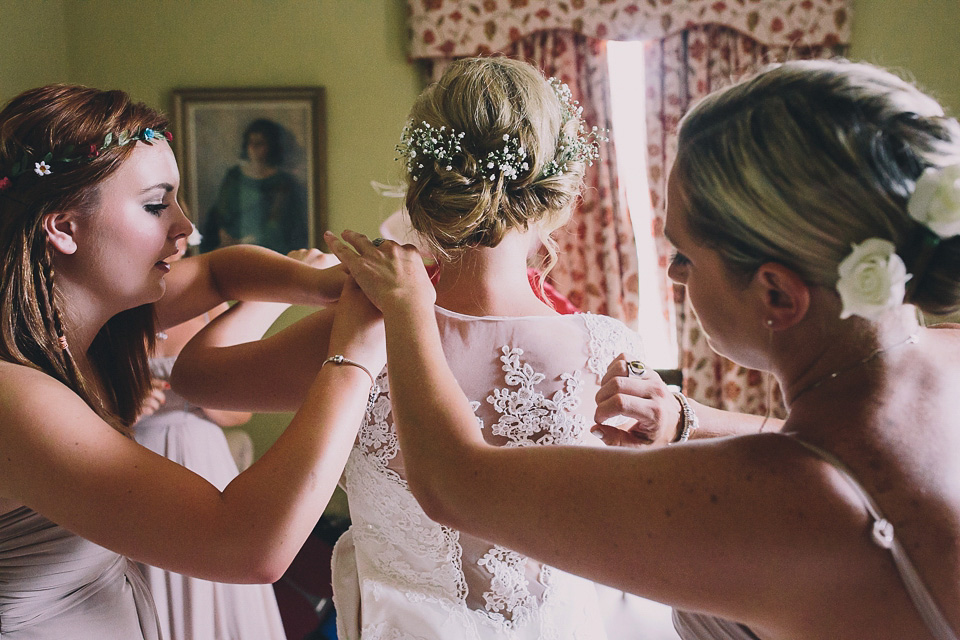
(163, 266)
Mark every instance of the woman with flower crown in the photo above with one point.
(495, 156)
(814, 208)
(89, 222)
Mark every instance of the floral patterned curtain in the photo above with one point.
(680, 69)
(598, 269)
(457, 28)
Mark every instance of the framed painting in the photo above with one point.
(253, 165)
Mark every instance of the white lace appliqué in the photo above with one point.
(608, 339)
(458, 581)
(509, 592)
(527, 417)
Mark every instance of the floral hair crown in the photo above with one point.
(44, 166)
(873, 278)
(425, 143)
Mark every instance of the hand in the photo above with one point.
(357, 331)
(155, 399)
(653, 410)
(314, 258)
(392, 276)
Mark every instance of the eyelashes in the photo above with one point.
(679, 260)
(156, 209)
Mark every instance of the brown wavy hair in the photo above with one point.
(60, 119)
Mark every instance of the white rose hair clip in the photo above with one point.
(874, 278)
(935, 202)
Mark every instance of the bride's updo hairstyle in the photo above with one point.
(805, 158)
(510, 160)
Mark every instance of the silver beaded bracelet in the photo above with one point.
(690, 423)
(374, 387)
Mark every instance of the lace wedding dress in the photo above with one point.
(400, 576)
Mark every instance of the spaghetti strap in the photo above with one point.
(883, 536)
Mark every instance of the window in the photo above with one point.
(629, 122)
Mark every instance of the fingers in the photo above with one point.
(618, 367)
(314, 258)
(616, 437)
(360, 242)
(155, 398)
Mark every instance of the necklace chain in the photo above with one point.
(913, 338)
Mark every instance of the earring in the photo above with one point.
(770, 322)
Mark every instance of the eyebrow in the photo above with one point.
(166, 186)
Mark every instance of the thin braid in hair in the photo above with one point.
(53, 312)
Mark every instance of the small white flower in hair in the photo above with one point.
(872, 280)
(935, 201)
(42, 168)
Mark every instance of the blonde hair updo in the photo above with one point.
(456, 205)
(805, 158)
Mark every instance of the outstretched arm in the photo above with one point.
(243, 272)
(137, 503)
(697, 525)
(226, 365)
(263, 375)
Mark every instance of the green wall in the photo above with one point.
(33, 45)
(920, 38)
(356, 49)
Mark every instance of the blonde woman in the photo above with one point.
(814, 208)
(495, 156)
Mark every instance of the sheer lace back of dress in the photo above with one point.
(525, 391)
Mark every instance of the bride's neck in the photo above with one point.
(491, 281)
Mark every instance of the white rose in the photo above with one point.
(936, 200)
(872, 280)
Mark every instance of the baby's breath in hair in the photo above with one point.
(582, 147)
(510, 160)
(425, 143)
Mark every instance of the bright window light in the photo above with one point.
(629, 125)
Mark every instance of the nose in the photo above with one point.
(674, 273)
(180, 226)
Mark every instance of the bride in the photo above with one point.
(495, 156)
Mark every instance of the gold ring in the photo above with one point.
(636, 368)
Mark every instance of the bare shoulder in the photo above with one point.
(44, 423)
(767, 508)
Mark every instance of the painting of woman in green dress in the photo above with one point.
(259, 202)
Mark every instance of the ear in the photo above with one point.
(60, 228)
(785, 297)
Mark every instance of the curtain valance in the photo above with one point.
(453, 28)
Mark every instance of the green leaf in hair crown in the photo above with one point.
(44, 166)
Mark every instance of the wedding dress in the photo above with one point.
(400, 576)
